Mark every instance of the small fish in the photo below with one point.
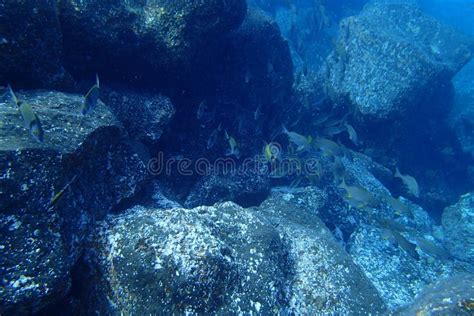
(56, 197)
(409, 182)
(211, 142)
(234, 146)
(201, 110)
(322, 119)
(334, 130)
(299, 140)
(432, 249)
(399, 207)
(3, 41)
(407, 246)
(91, 99)
(328, 146)
(395, 238)
(357, 196)
(271, 152)
(352, 133)
(391, 224)
(31, 120)
(332, 122)
(258, 112)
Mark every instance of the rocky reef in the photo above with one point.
(458, 224)
(276, 258)
(43, 233)
(111, 212)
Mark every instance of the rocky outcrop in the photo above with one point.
(143, 115)
(458, 225)
(42, 230)
(450, 296)
(461, 118)
(223, 258)
(31, 44)
(391, 57)
(245, 186)
(397, 275)
(164, 41)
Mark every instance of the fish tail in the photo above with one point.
(284, 130)
(397, 173)
(15, 99)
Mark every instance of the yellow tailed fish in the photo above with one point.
(31, 120)
(299, 140)
(234, 146)
(409, 182)
(56, 197)
(357, 196)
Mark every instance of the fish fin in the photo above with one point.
(13, 95)
(97, 80)
(397, 173)
(284, 130)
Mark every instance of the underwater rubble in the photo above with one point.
(365, 65)
(168, 42)
(450, 296)
(42, 232)
(458, 227)
(277, 258)
(93, 221)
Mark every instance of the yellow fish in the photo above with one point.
(234, 146)
(409, 182)
(357, 196)
(31, 120)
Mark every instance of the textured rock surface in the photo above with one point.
(325, 279)
(244, 187)
(39, 241)
(143, 115)
(169, 38)
(462, 115)
(451, 296)
(31, 44)
(221, 259)
(397, 276)
(458, 224)
(391, 57)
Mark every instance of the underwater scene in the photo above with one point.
(236, 157)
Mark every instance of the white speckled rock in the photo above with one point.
(278, 258)
(458, 225)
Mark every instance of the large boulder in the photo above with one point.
(245, 186)
(166, 41)
(277, 258)
(461, 118)
(391, 57)
(458, 224)
(449, 296)
(397, 274)
(143, 115)
(31, 44)
(42, 237)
